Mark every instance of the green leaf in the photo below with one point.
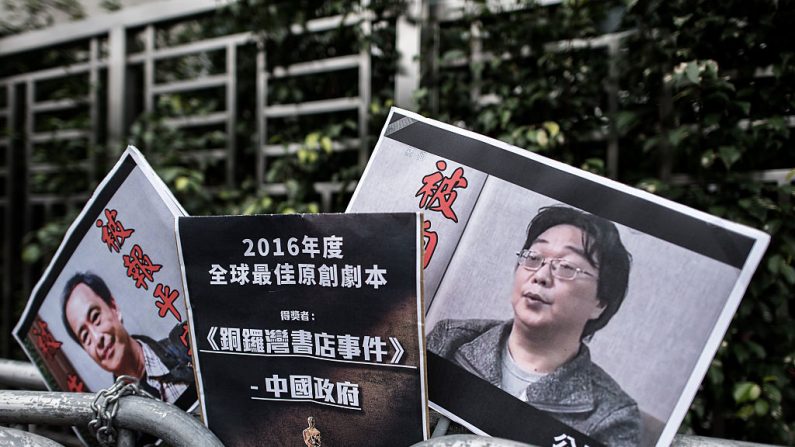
(265, 203)
(692, 72)
(772, 392)
(505, 118)
(552, 127)
(715, 374)
(678, 135)
(488, 120)
(325, 143)
(541, 137)
(745, 412)
(773, 264)
(625, 120)
(181, 183)
(777, 123)
(707, 159)
(711, 119)
(312, 140)
(787, 272)
(303, 156)
(761, 407)
(740, 352)
(756, 348)
(530, 135)
(250, 209)
(31, 253)
(729, 155)
(746, 391)
(679, 21)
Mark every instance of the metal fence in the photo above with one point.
(359, 103)
(148, 416)
(56, 113)
(134, 414)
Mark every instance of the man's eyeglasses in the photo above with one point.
(560, 268)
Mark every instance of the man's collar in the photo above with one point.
(566, 389)
(483, 355)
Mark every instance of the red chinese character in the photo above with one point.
(438, 192)
(166, 301)
(74, 384)
(184, 337)
(113, 232)
(140, 267)
(45, 341)
(430, 238)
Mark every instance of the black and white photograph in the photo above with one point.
(562, 297)
(110, 303)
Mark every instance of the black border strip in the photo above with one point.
(78, 234)
(652, 218)
(536, 427)
(395, 117)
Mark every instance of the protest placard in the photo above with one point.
(110, 302)
(562, 307)
(308, 328)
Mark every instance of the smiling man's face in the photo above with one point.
(542, 302)
(98, 327)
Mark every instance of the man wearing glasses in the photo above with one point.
(570, 279)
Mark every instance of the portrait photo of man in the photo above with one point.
(93, 319)
(559, 304)
(570, 278)
(110, 302)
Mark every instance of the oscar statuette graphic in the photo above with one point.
(311, 434)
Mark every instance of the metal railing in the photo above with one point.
(22, 375)
(147, 415)
(13, 437)
(480, 441)
(135, 414)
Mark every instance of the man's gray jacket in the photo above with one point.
(578, 393)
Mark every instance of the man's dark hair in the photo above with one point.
(601, 241)
(94, 283)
